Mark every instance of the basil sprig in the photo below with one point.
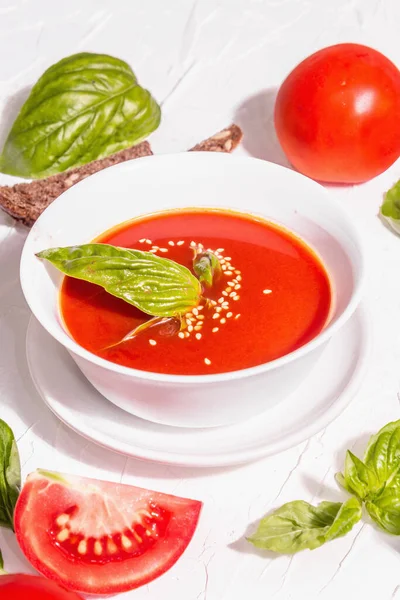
(207, 267)
(374, 482)
(85, 107)
(157, 286)
(390, 208)
(376, 479)
(298, 525)
(10, 475)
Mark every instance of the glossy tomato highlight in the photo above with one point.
(337, 114)
(99, 537)
(28, 587)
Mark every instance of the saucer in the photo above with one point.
(321, 398)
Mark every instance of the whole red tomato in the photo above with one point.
(28, 587)
(337, 114)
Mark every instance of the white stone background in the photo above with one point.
(208, 62)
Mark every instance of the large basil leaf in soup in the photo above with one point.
(85, 107)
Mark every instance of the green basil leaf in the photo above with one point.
(383, 454)
(358, 478)
(298, 525)
(85, 107)
(157, 286)
(10, 475)
(390, 208)
(384, 509)
(349, 514)
(207, 267)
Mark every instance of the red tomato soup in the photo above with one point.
(272, 297)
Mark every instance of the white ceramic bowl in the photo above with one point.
(195, 179)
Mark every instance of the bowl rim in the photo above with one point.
(72, 346)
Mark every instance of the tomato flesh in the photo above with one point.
(100, 537)
(28, 587)
(337, 114)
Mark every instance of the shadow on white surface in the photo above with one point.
(10, 111)
(256, 118)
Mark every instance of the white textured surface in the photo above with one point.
(209, 61)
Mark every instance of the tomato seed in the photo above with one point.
(98, 548)
(82, 547)
(126, 542)
(62, 520)
(63, 535)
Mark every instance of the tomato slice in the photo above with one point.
(28, 587)
(100, 537)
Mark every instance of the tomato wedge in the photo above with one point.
(28, 587)
(99, 537)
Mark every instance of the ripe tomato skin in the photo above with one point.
(29, 587)
(337, 114)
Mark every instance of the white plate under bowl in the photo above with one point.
(320, 399)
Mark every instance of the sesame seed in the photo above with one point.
(180, 243)
(200, 246)
(181, 335)
(225, 305)
(232, 294)
(224, 293)
(236, 298)
(216, 316)
(220, 249)
(187, 334)
(148, 242)
(223, 321)
(207, 361)
(200, 317)
(221, 300)
(223, 267)
(231, 283)
(171, 243)
(239, 278)
(190, 328)
(267, 291)
(195, 311)
(142, 241)
(218, 309)
(237, 272)
(189, 315)
(213, 303)
(163, 249)
(215, 329)
(189, 321)
(229, 315)
(198, 328)
(237, 286)
(221, 260)
(200, 307)
(228, 289)
(153, 250)
(198, 336)
(237, 316)
(152, 342)
(228, 258)
(228, 273)
(192, 243)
